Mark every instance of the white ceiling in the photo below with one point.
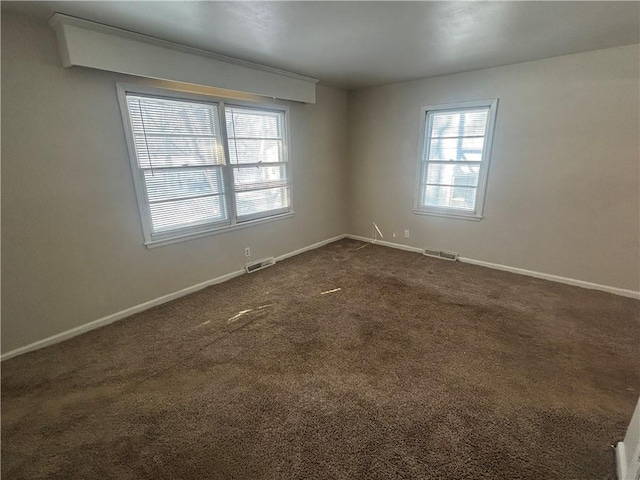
(356, 44)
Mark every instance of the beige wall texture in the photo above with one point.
(72, 247)
(563, 194)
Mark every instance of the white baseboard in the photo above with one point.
(621, 461)
(186, 291)
(554, 278)
(521, 271)
(310, 247)
(146, 305)
(114, 317)
(384, 243)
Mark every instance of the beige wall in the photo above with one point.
(563, 190)
(562, 198)
(72, 247)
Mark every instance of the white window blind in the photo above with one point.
(258, 159)
(192, 176)
(180, 158)
(452, 173)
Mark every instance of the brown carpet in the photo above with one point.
(415, 368)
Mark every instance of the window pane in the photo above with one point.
(259, 177)
(255, 151)
(172, 133)
(255, 136)
(157, 116)
(459, 124)
(185, 213)
(258, 201)
(452, 197)
(251, 123)
(173, 184)
(455, 174)
(456, 149)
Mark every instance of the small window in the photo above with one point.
(453, 168)
(203, 165)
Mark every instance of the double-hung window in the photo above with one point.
(258, 159)
(202, 165)
(454, 161)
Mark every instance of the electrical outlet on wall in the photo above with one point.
(247, 252)
(406, 234)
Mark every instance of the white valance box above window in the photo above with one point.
(93, 45)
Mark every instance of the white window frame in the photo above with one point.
(232, 223)
(424, 145)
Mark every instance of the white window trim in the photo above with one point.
(477, 213)
(155, 240)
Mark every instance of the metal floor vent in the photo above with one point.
(259, 264)
(453, 256)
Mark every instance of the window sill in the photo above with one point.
(474, 217)
(216, 230)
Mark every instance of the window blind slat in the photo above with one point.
(172, 184)
(256, 138)
(186, 213)
(177, 151)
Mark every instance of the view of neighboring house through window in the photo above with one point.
(454, 163)
(192, 175)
